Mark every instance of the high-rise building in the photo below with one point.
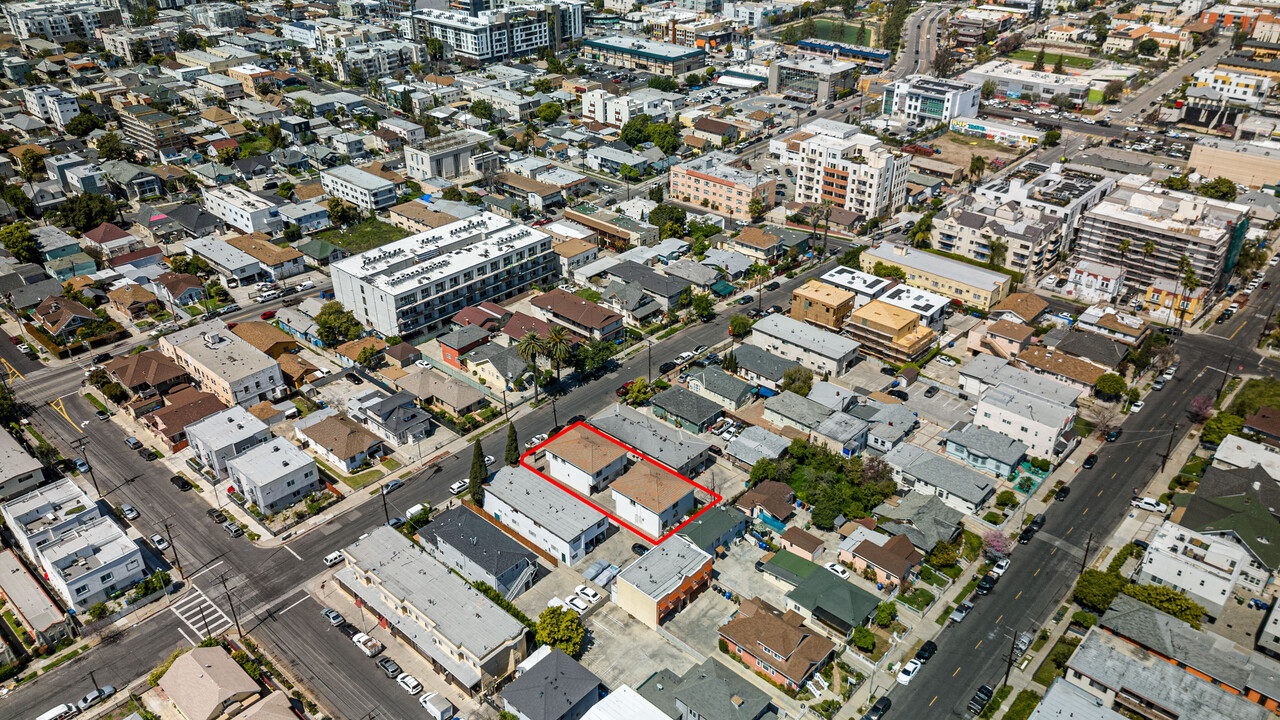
(154, 132)
(60, 20)
(851, 170)
(496, 35)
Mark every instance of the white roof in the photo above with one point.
(799, 334)
(624, 704)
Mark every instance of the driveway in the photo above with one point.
(621, 650)
(865, 377)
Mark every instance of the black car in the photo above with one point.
(1037, 522)
(775, 309)
(926, 651)
(715, 450)
(355, 379)
(1062, 282)
(146, 454)
(639, 549)
(986, 584)
(773, 286)
(899, 394)
(1220, 319)
(746, 300)
(1025, 536)
(888, 371)
(1062, 494)
(99, 359)
(980, 699)
(389, 667)
(1090, 461)
(349, 630)
(878, 710)
(216, 515)
(666, 367)
(1114, 435)
(931, 391)
(102, 415)
(180, 483)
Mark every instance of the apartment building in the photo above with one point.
(410, 133)
(617, 110)
(1205, 567)
(21, 472)
(928, 101)
(50, 104)
(221, 86)
(819, 303)
(159, 39)
(819, 350)
(358, 187)
(1234, 86)
(224, 435)
(563, 526)
(44, 514)
(634, 53)
(218, 15)
(578, 315)
(60, 20)
(1041, 424)
(447, 156)
(244, 210)
(225, 365)
(1051, 190)
(417, 284)
(864, 286)
(492, 36)
(852, 171)
(889, 333)
(967, 283)
(709, 180)
(274, 475)
(91, 562)
(1208, 232)
(153, 132)
(1017, 237)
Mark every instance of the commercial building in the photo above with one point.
(633, 53)
(890, 333)
(224, 435)
(711, 181)
(447, 156)
(822, 351)
(244, 210)
(274, 475)
(1018, 237)
(1235, 86)
(57, 21)
(663, 581)
(151, 131)
(550, 518)
(467, 639)
(492, 36)
(928, 101)
(812, 79)
(1208, 232)
(871, 59)
(1254, 164)
(1014, 81)
(851, 170)
(967, 283)
(1002, 132)
(475, 547)
(359, 187)
(90, 562)
(223, 364)
(1044, 426)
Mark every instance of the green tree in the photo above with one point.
(739, 326)
(764, 469)
(665, 84)
(17, 239)
(482, 109)
(888, 271)
(702, 305)
(1177, 182)
(479, 473)
(1038, 65)
(1218, 427)
(693, 79)
(864, 639)
(530, 348)
(635, 131)
(729, 363)
(1148, 47)
(943, 554)
(560, 627)
(665, 215)
(640, 391)
(1112, 90)
(798, 379)
(655, 193)
(886, 613)
(111, 147)
(755, 208)
(1096, 589)
(1111, 385)
(1059, 65)
(1168, 600)
(336, 325)
(550, 112)
(512, 455)
(1219, 189)
(452, 194)
(1052, 138)
(83, 124)
(558, 348)
(977, 166)
(369, 357)
(87, 211)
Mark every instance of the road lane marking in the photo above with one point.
(1086, 511)
(1232, 336)
(1015, 597)
(1113, 475)
(999, 618)
(1142, 441)
(1099, 493)
(1050, 552)
(193, 577)
(957, 672)
(1073, 527)
(1126, 459)
(189, 640)
(12, 371)
(975, 647)
(302, 599)
(291, 552)
(1037, 572)
(56, 404)
(935, 698)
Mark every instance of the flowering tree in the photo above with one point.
(995, 543)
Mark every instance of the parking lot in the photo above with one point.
(737, 572)
(560, 582)
(698, 624)
(865, 377)
(615, 641)
(944, 409)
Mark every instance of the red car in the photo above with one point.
(268, 314)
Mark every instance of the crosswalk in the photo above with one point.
(201, 615)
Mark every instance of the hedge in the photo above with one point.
(1023, 705)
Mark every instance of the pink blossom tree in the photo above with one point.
(995, 543)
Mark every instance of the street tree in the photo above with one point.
(479, 473)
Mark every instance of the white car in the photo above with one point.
(409, 683)
(159, 542)
(459, 486)
(535, 441)
(1137, 406)
(684, 357)
(1274, 261)
(1151, 504)
(838, 569)
(1000, 566)
(422, 364)
(576, 604)
(488, 460)
(909, 671)
(587, 594)
(946, 361)
(1233, 307)
(306, 285)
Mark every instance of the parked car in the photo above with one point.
(1062, 493)
(838, 569)
(1137, 406)
(900, 394)
(1037, 522)
(926, 651)
(488, 460)
(587, 594)
(961, 612)
(639, 549)
(986, 584)
(746, 300)
(1026, 535)
(772, 286)
(931, 391)
(95, 697)
(1114, 435)
(576, 604)
(535, 441)
(132, 442)
(128, 511)
(1158, 384)
(943, 359)
(1000, 567)
(888, 371)
(981, 699)
(367, 645)
(1090, 461)
(396, 523)
(458, 487)
(664, 368)
(390, 667)
(81, 465)
(268, 315)
(180, 482)
(146, 454)
(392, 487)
(1149, 504)
(216, 515)
(333, 616)
(159, 543)
(908, 671)
(409, 683)
(102, 415)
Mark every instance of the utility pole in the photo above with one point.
(168, 530)
(1084, 559)
(1169, 447)
(223, 579)
(555, 419)
(1008, 668)
(79, 444)
(204, 623)
(385, 512)
(93, 679)
(648, 375)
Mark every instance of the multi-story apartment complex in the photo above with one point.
(890, 333)
(446, 156)
(618, 110)
(497, 35)
(952, 278)
(274, 475)
(44, 514)
(1234, 85)
(1205, 567)
(819, 350)
(382, 58)
(659, 58)
(50, 104)
(91, 562)
(60, 20)
(929, 101)
(711, 181)
(1053, 190)
(1141, 214)
(243, 210)
(159, 39)
(1041, 424)
(153, 132)
(414, 285)
(217, 15)
(358, 187)
(1017, 237)
(822, 304)
(224, 435)
(851, 170)
(225, 365)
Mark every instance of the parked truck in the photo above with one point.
(367, 645)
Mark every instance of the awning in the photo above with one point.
(723, 288)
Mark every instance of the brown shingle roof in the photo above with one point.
(341, 436)
(308, 191)
(585, 449)
(177, 283)
(579, 310)
(758, 623)
(894, 557)
(773, 496)
(294, 367)
(419, 212)
(264, 410)
(1266, 420)
(203, 680)
(57, 313)
(804, 540)
(1011, 330)
(757, 238)
(185, 407)
(351, 350)
(1025, 305)
(652, 487)
(1062, 364)
(130, 294)
(104, 233)
(262, 335)
(129, 257)
(260, 248)
(145, 368)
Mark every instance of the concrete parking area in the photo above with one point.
(615, 641)
(559, 582)
(944, 409)
(865, 377)
(723, 478)
(616, 549)
(737, 573)
(698, 624)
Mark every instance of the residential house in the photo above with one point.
(340, 441)
(278, 262)
(787, 409)
(801, 543)
(757, 365)
(443, 393)
(652, 499)
(91, 562)
(754, 243)
(776, 644)
(1206, 568)
(564, 527)
(819, 350)
(894, 559)
(274, 475)
(715, 529)
(1002, 338)
(183, 408)
(984, 449)
(266, 338)
(178, 289)
(498, 366)
(923, 519)
(30, 604)
(132, 300)
(62, 317)
(678, 449)
(205, 683)
(578, 315)
(463, 540)
(350, 353)
(919, 470)
(1020, 307)
(395, 418)
(19, 471)
(708, 690)
(768, 499)
(224, 364)
(1067, 369)
(556, 688)
(753, 445)
(584, 459)
(1045, 426)
(660, 583)
(455, 344)
(719, 386)
(686, 409)
(843, 433)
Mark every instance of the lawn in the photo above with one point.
(822, 29)
(1083, 427)
(1254, 395)
(1051, 58)
(1055, 660)
(259, 145)
(589, 295)
(363, 236)
(928, 575)
(918, 599)
(98, 403)
(354, 482)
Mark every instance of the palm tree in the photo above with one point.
(977, 166)
(529, 348)
(556, 347)
(998, 250)
(1149, 248)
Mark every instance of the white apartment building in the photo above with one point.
(225, 365)
(274, 475)
(243, 210)
(853, 171)
(545, 515)
(50, 104)
(1037, 422)
(1052, 191)
(224, 435)
(618, 110)
(411, 133)
(358, 187)
(38, 517)
(1235, 86)
(378, 59)
(91, 562)
(496, 35)
(1205, 567)
(217, 15)
(57, 20)
(821, 351)
(417, 284)
(865, 286)
(928, 101)
(447, 156)
(158, 39)
(1031, 239)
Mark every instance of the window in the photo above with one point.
(106, 578)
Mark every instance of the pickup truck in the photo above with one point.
(626, 388)
(367, 645)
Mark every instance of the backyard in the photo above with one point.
(363, 236)
(1255, 394)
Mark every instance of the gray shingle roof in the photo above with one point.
(656, 439)
(959, 480)
(550, 689)
(723, 384)
(477, 539)
(661, 285)
(987, 442)
(686, 404)
(756, 444)
(712, 690)
(924, 519)
(759, 361)
(798, 408)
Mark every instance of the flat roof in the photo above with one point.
(803, 335)
(227, 427)
(645, 48)
(927, 262)
(360, 178)
(270, 460)
(226, 355)
(660, 571)
(27, 596)
(15, 459)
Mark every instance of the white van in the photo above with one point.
(415, 510)
(268, 296)
(332, 558)
(58, 713)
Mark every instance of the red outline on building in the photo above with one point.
(622, 523)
